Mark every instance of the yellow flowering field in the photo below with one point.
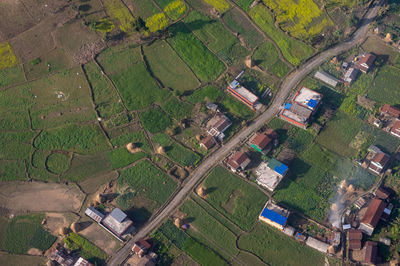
(7, 56)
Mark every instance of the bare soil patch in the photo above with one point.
(14, 19)
(40, 197)
(100, 237)
(55, 221)
(35, 252)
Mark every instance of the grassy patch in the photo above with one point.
(25, 232)
(267, 57)
(237, 108)
(219, 5)
(10, 76)
(57, 163)
(85, 166)
(148, 181)
(119, 58)
(205, 94)
(384, 88)
(7, 56)
(121, 157)
(87, 250)
(294, 51)
(155, 120)
(245, 200)
(244, 4)
(143, 9)
(11, 170)
(160, 56)
(205, 65)
(137, 137)
(16, 145)
(177, 109)
(117, 10)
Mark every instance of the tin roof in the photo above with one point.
(374, 212)
(273, 216)
(118, 215)
(261, 140)
(277, 166)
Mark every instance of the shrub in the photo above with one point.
(157, 22)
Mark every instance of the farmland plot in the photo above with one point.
(116, 59)
(117, 10)
(384, 88)
(142, 8)
(267, 57)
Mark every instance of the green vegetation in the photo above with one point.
(117, 59)
(294, 51)
(267, 57)
(205, 65)
(57, 163)
(384, 88)
(137, 137)
(205, 94)
(10, 76)
(157, 22)
(281, 249)
(177, 109)
(244, 4)
(122, 157)
(25, 232)
(12, 170)
(86, 249)
(175, 9)
(85, 166)
(149, 182)
(104, 25)
(144, 9)
(219, 5)
(15, 145)
(117, 10)
(155, 120)
(237, 108)
(241, 202)
(160, 56)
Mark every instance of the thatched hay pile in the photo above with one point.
(75, 227)
(178, 222)
(249, 62)
(161, 150)
(201, 191)
(182, 173)
(63, 231)
(132, 148)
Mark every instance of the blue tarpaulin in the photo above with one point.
(281, 169)
(312, 103)
(288, 106)
(273, 216)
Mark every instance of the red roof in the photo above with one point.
(365, 62)
(374, 212)
(237, 159)
(382, 193)
(396, 128)
(390, 110)
(261, 140)
(354, 234)
(381, 158)
(371, 252)
(355, 244)
(222, 123)
(208, 142)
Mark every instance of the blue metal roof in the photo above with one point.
(273, 216)
(288, 106)
(118, 215)
(281, 169)
(234, 84)
(312, 103)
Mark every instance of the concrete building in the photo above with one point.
(94, 214)
(218, 125)
(242, 94)
(379, 162)
(395, 130)
(365, 62)
(82, 262)
(208, 142)
(325, 77)
(117, 222)
(274, 215)
(270, 174)
(350, 76)
(316, 244)
(372, 216)
(303, 106)
(238, 161)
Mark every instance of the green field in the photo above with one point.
(177, 109)
(234, 106)
(384, 88)
(160, 56)
(10, 76)
(85, 166)
(204, 64)
(86, 249)
(137, 137)
(25, 232)
(117, 59)
(122, 157)
(58, 163)
(143, 8)
(293, 50)
(267, 57)
(216, 36)
(155, 120)
(241, 202)
(205, 94)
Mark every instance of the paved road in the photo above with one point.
(288, 84)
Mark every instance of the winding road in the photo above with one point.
(288, 84)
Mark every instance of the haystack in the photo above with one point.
(100, 198)
(181, 172)
(75, 227)
(201, 191)
(249, 62)
(132, 148)
(63, 231)
(331, 250)
(178, 222)
(161, 150)
(343, 184)
(198, 137)
(388, 38)
(350, 189)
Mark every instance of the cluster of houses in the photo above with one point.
(376, 161)
(363, 63)
(389, 120)
(63, 258)
(116, 222)
(378, 209)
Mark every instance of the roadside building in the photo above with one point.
(208, 142)
(325, 77)
(382, 193)
(94, 214)
(354, 237)
(389, 110)
(141, 247)
(395, 130)
(372, 216)
(379, 162)
(238, 161)
(62, 258)
(270, 174)
(274, 215)
(350, 76)
(316, 244)
(242, 94)
(371, 253)
(263, 141)
(218, 125)
(365, 62)
(82, 262)
(303, 106)
(117, 222)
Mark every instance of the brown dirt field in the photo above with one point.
(35, 252)
(14, 19)
(44, 8)
(101, 238)
(91, 185)
(21, 260)
(40, 197)
(55, 221)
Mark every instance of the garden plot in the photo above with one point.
(142, 8)
(234, 198)
(205, 94)
(204, 64)
(101, 238)
(118, 58)
(173, 8)
(216, 36)
(160, 57)
(21, 260)
(267, 57)
(177, 109)
(14, 105)
(11, 170)
(155, 120)
(384, 88)
(293, 50)
(118, 12)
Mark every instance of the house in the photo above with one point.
(270, 174)
(371, 253)
(218, 125)
(372, 216)
(208, 142)
(274, 215)
(316, 244)
(395, 130)
(389, 110)
(386, 212)
(242, 94)
(365, 61)
(382, 193)
(263, 142)
(354, 236)
(379, 162)
(303, 106)
(350, 76)
(117, 222)
(62, 258)
(94, 214)
(82, 262)
(238, 161)
(328, 79)
(141, 247)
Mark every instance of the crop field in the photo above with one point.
(302, 19)
(220, 5)
(87, 250)
(267, 57)
(239, 201)
(14, 104)
(281, 250)
(205, 94)
(244, 4)
(7, 56)
(11, 170)
(155, 120)
(105, 97)
(25, 232)
(117, 10)
(149, 182)
(176, 151)
(237, 108)
(137, 88)
(241, 24)
(293, 50)
(137, 137)
(58, 163)
(216, 36)
(142, 8)
(384, 88)
(117, 59)
(160, 56)
(205, 65)
(10, 76)
(121, 157)
(177, 109)
(15, 145)
(174, 9)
